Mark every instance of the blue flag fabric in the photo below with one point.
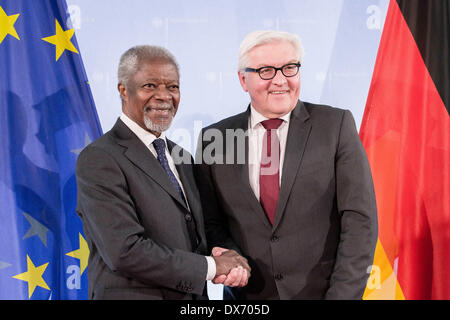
(47, 115)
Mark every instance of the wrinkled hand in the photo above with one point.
(231, 268)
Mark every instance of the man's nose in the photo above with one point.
(279, 78)
(162, 93)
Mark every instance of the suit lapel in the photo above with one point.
(241, 171)
(298, 134)
(182, 162)
(141, 156)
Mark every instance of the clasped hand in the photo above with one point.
(232, 269)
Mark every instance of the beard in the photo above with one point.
(163, 120)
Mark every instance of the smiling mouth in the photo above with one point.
(279, 92)
(161, 111)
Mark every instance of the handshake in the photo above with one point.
(232, 269)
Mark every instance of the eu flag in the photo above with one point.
(47, 115)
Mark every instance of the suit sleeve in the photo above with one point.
(357, 207)
(216, 225)
(111, 223)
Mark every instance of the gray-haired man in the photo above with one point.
(301, 207)
(140, 208)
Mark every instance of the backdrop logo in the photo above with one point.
(74, 20)
(374, 20)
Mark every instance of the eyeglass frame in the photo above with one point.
(297, 64)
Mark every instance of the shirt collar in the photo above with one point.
(145, 136)
(256, 117)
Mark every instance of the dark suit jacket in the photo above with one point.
(134, 222)
(325, 229)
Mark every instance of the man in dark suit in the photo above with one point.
(137, 197)
(287, 183)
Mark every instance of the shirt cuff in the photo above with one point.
(211, 268)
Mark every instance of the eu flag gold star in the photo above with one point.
(7, 25)
(61, 40)
(33, 276)
(82, 253)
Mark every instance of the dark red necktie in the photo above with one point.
(269, 174)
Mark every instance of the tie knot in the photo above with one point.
(159, 145)
(271, 124)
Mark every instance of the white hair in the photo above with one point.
(260, 37)
(133, 57)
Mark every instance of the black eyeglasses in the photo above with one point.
(269, 72)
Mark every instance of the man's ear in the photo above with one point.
(122, 91)
(242, 80)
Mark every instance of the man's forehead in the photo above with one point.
(157, 70)
(275, 54)
(276, 64)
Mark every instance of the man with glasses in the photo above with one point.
(301, 205)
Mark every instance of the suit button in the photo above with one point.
(278, 277)
(188, 217)
(274, 238)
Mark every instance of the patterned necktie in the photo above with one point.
(269, 174)
(160, 147)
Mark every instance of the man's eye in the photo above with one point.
(149, 85)
(174, 88)
(266, 71)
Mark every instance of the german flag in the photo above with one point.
(406, 133)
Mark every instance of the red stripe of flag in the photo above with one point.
(406, 133)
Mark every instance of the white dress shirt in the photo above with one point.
(147, 138)
(255, 140)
